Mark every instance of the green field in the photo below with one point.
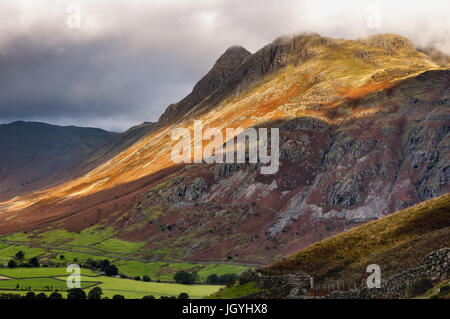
(58, 248)
(52, 279)
(165, 271)
(8, 252)
(69, 256)
(137, 289)
(235, 291)
(40, 284)
(41, 272)
(119, 246)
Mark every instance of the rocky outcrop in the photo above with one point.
(237, 70)
(392, 43)
(226, 169)
(389, 161)
(437, 56)
(214, 79)
(190, 192)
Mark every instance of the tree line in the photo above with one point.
(95, 293)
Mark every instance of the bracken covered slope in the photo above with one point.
(364, 131)
(395, 243)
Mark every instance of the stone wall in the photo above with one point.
(283, 285)
(435, 267)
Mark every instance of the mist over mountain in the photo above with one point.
(128, 62)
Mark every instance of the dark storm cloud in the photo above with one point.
(89, 81)
(131, 59)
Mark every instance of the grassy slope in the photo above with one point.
(165, 271)
(439, 291)
(395, 242)
(9, 252)
(235, 291)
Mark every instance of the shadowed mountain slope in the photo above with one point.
(36, 155)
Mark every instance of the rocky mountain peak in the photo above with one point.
(227, 63)
(392, 43)
(234, 54)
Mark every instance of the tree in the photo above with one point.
(12, 263)
(185, 278)
(55, 295)
(41, 296)
(148, 297)
(111, 271)
(183, 295)
(34, 262)
(76, 293)
(26, 265)
(20, 255)
(95, 293)
(30, 295)
(227, 279)
(118, 297)
(61, 257)
(212, 279)
(137, 278)
(146, 278)
(104, 264)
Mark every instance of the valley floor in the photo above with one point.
(53, 276)
(47, 280)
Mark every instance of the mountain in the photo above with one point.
(36, 155)
(364, 132)
(437, 56)
(213, 80)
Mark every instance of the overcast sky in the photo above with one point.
(130, 59)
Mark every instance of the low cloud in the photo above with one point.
(130, 59)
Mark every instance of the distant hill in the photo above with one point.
(37, 155)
